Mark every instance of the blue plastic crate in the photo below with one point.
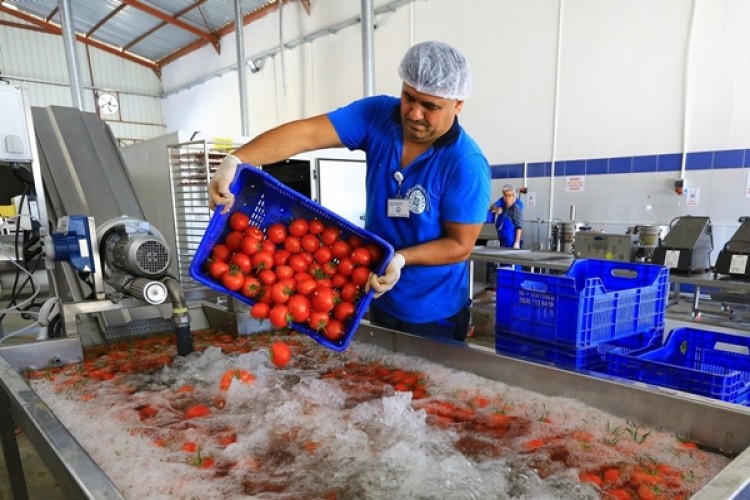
(267, 201)
(596, 301)
(565, 356)
(703, 362)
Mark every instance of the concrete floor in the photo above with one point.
(41, 485)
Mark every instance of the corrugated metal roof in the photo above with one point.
(151, 32)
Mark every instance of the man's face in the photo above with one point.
(425, 117)
(509, 197)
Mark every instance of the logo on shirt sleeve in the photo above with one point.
(417, 196)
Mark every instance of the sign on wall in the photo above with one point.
(574, 183)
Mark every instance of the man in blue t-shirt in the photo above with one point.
(427, 184)
(508, 212)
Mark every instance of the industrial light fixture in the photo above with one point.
(255, 66)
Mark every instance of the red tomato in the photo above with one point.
(306, 287)
(262, 260)
(268, 246)
(334, 330)
(323, 299)
(221, 252)
(310, 243)
(316, 226)
(249, 245)
(340, 249)
(354, 241)
(292, 244)
(343, 311)
(323, 255)
(308, 257)
(318, 320)
(280, 292)
(260, 310)
(279, 316)
(329, 269)
(361, 256)
(339, 280)
(197, 411)
(346, 266)
(251, 287)
(299, 227)
(299, 308)
(360, 276)
(280, 354)
(329, 235)
(302, 276)
(242, 261)
(375, 252)
(217, 268)
(190, 447)
(255, 232)
(232, 279)
(276, 233)
(267, 277)
(281, 257)
(234, 240)
(239, 221)
(298, 263)
(283, 272)
(349, 292)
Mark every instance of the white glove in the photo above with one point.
(218, 188)
(387, 281)
(517, 246)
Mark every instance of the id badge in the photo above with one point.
(398, 207)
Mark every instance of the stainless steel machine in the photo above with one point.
(687, 246)
(733, 258)
(107, 266)
(605, 246)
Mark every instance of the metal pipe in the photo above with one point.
(241, 66)
(555, 109)
(368, 50)
(69, 40)
(180, 316)
(686, 88)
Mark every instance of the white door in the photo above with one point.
(341, 188)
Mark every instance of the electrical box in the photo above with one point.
(14, 133)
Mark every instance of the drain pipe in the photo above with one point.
(69, 41)
(368, 51)
(180, 316)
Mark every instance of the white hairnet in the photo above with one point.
(437, 69)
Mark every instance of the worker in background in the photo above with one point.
(427, 185)
(508, 212)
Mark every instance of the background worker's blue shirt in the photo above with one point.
(507, 222)
(450, 182)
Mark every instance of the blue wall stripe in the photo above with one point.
(699, 160)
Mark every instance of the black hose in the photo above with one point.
(180, 316)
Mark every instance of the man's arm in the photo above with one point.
(289, 139)
(275, 145)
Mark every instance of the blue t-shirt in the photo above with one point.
(507, 222)
(448, 182)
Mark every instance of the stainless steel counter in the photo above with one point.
(534, 259)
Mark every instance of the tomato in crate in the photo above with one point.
(291, 259)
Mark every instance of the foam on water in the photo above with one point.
(300, 435)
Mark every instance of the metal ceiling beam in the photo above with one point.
(192, 47)
(56, 30)
(208, 37)
(104, 20)
(161, 24)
